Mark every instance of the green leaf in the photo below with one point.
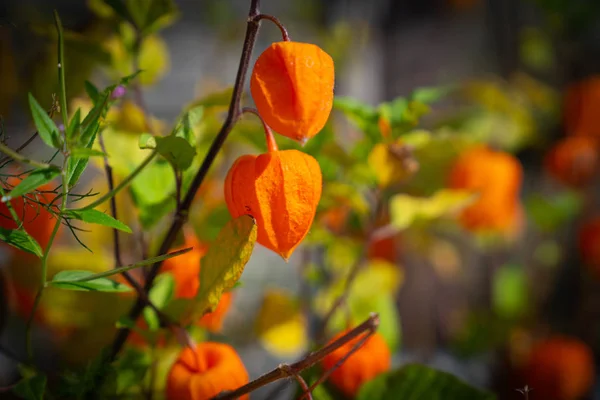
(131, 367)
(550, 213)
(147, 141)
(417, 382)
(92, 91)
(46, 128)
(224, 262)
(160, 295)
(85, 152)
(115, 271)
(147, 15)
(78, 280)
(34, 180)
(97, 217)
(32, 388)
(178, 151)
(75, 125)
(510, 291)
(364, 116)
(186, 124)
(21, 240)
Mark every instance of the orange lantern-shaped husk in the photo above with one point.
(370, 360)
(204, 372)
(560, 368)
(292, 87)
(281, 190)
(574, 160)
(37, 220)
(496, 177)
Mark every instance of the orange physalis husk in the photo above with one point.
(281, 190)
(574, 160)
(37, 220)
(370, 360)
(186, 271)
(582, 108)
(186, 268)
(496, 176)
(206, 371)
(213, 321)
(292, 87)
(560, 368)
(589, 243)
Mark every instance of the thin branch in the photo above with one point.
(22, 159)
(271, 143)
(306, 391)
(181, 214)
(282, 371)
(276, 21)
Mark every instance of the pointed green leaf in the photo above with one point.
(417, 382)
(116, 271)
(160, 295)
(85, 152)
(75, 125)
(92, 91)
(94, 216)
(32, 388)
(34, 180)
(78, 280)
(21, 240)
(225, 260)
(178, 151)
(46, 128)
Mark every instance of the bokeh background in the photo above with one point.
(461, 307)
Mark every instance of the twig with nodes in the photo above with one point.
(364, 331)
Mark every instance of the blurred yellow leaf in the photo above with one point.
(280, 325)
(153, 57)
(154, 60)
(406, 210)
(391, 163)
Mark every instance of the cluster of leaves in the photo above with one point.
(386, 180)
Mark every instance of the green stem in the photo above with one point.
(61, 71)
(116, 271)
(20, 158)
(121, 185)
(44, 273)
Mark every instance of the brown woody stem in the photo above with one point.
(276, 21)
(285, 371)
(271, 143)
(181, 214)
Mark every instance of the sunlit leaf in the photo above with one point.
(281, 326)
(224, 262)
(406, 210)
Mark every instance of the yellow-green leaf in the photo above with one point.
(406, 210)
(281, 326)
(224, 262)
